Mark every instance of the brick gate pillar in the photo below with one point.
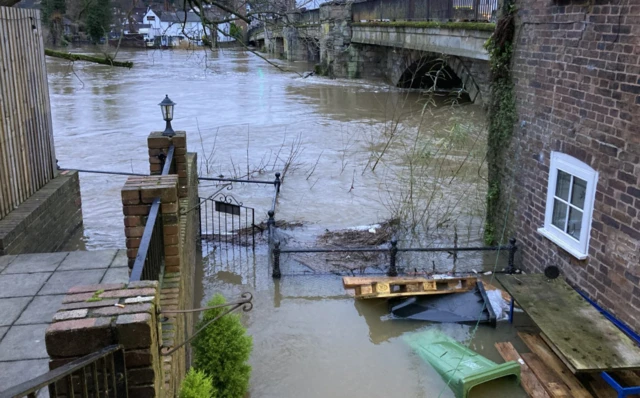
(159, 145)
(137, 195)
(89, 320)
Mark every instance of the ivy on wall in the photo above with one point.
(502, 115)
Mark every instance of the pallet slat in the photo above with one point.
(387, 287)
(549, 380)
(528, 380)
(544, 352)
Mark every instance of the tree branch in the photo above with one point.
(88, 58)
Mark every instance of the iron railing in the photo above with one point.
(425, 10)
(393, 251)
(149, 262)
(101, 374)
(223, 218)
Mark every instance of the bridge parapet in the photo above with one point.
(450, 39)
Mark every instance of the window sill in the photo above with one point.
(575, 253)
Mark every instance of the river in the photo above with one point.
(358, 153)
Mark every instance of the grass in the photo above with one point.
(483, 26)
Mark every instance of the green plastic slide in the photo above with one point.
(464, 368)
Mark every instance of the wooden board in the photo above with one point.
(549, 380)
(556, 351)
(584, 337)
(387, 287)
(528, 380)
(540, 348)
(601, 389)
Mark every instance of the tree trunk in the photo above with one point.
(88, 58)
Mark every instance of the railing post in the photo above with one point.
(511, 268)
(277, 182)
(271, 223)
(393, 252)
(276, 261)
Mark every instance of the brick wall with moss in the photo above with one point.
(178, 290)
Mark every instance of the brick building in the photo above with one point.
(575, 152)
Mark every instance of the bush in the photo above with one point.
(197, 385)
(222, 351)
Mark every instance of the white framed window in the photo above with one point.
(570, 196)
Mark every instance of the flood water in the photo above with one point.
(355, 153)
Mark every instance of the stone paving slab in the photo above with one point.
(24, 342)
(40, 310)
(20, 285)
(88, 260)
(115, 275)
(61, 281)
(3, 330)
(121, 259)
(11, 308)
(16, 372)
(39, 262)
(5, 261)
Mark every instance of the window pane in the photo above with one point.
(575, 223)
(559, 214)
(578, 192)
(562, 185)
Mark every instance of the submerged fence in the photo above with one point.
(425, 10)
(392, 250)
(27, 158)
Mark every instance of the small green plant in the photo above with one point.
(95, 296)
(222, 350)
(197, 385)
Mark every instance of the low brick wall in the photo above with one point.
(89, 320)
(178, 285)
(44, 222)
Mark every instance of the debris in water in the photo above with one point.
(444, 354)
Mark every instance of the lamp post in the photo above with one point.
(167, 114)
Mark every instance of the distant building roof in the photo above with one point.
(179, 17)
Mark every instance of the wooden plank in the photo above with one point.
(542, 350)
(528, 380)
(386, 287)
(628, 378)
(600, 388)
(549, 380)
(581, 334)
(559, 354)
(5, 193)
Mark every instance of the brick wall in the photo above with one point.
(576, 72)
(46, 221)
(178, 286)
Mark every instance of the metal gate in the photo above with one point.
(224, 219)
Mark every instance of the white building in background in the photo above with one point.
(170, 28)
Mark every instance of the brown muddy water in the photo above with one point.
(358, 153)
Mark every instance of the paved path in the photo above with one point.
(31, 290)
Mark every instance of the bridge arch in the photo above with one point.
(419, 69)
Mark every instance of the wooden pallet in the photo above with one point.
(387, 287)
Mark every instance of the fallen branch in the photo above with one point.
(88, 58)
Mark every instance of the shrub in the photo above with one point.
(222, 351)
(197, 385)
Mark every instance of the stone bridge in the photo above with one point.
(346, 41)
